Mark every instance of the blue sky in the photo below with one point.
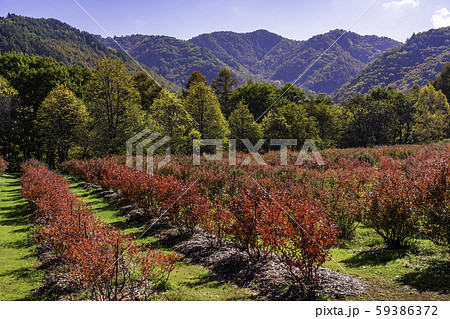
(298, 20)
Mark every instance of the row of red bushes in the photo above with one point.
(3, 166)
(401, 191)
(101, 260)
(276, 223)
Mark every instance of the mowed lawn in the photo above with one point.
(18, 274)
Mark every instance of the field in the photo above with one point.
(376, 218)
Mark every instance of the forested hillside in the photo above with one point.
(175, 59)
(53, 38)
(418, 61)
(259, 55)
(277, 59)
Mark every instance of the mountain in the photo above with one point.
(244, 48)
(259, 55)
(277, 59)
(418, 61)
(175, 59)
(53, 38)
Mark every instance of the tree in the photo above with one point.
(148, 89)
(113, 103)
(223, 88)
(431, 116)
(195, 78)
(34, 77)
(203, 106)
(370, 121)
(8, 114)
(275, 126)
(242, 126)
(293, 94)
(443, 81)
(60, 118)
(171, 119)
(290, 121)
(258, 96)
(329, 122)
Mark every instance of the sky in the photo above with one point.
(183, 19)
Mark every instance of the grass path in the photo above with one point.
(187, 282)
(18, 275)
(419, 273)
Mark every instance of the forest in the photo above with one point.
(53, 112)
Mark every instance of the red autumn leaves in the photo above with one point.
(101, 260)
(297, 229)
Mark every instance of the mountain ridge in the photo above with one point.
(418, 61)
(259, 55)
(59, 40)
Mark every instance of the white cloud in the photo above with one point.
(399, 3)
(441, 18)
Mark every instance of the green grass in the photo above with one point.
(18, 275)
(187, 282)
(421, 272)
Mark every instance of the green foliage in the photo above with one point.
(53, 38)
(223, 88)
(8, 108)
(418, 61)
(174, 59)
(195, 78)
(148, 89)
(113, 104)
(258, 96)
(291, 121)
(35, 76)
(169, 118)
(383, 117)
(61, 121)
(203, 106)
(242, 126)
(329, 121)
(443, 81)
(431, 116)
(271, 57)
(260, 55)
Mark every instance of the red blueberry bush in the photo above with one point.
(294, 212)
(102, 261)
(434, 201)
(392, 212)
(300, 232)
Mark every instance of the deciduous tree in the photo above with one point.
(61, 117)
(113, 103)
